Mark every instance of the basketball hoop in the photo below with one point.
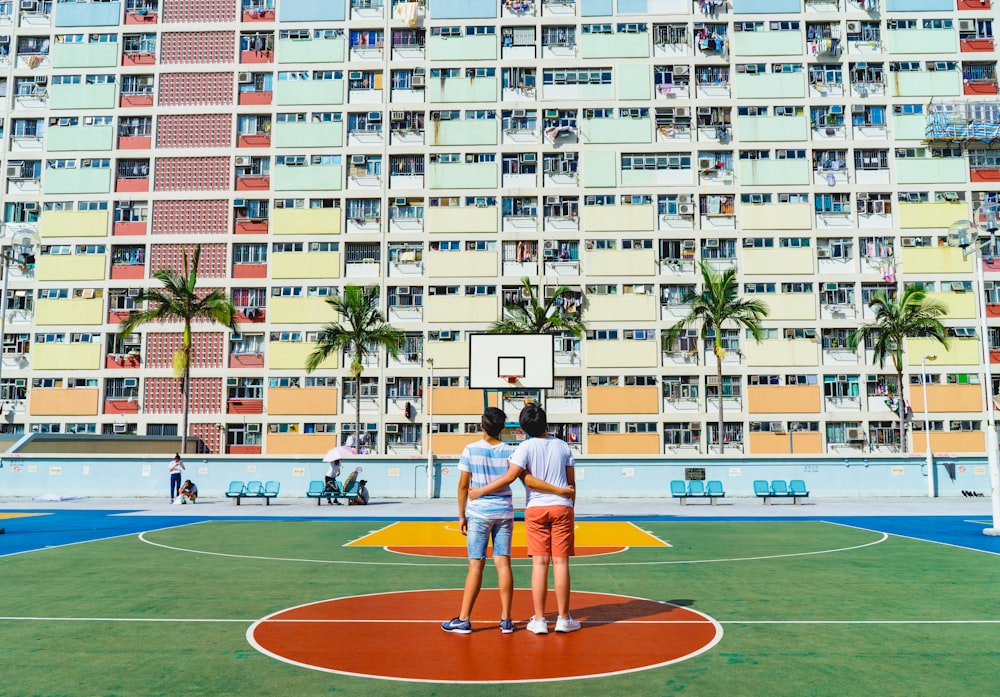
(511, 379)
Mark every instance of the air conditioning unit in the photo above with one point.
(683, 198)
(239, 203)
(390, 380)
(854, 27)
(399, 202)
(862, 195)
(552, 199)
(232, 382)
(712, 243)
(966, 25)
(445, 335)
(118, 428)
(855, 435)
(528, 157)
(392, 428)
(706, 163)
(145, 81)
(712, 380)
(14, 171)
(4, 38)
(417, 81)
(857, 108)
(253, 428)
(41, 79)
(685, 209)
(397, 115)
(358, 159)
(682, 111)
(822, 253)
(519, 113)
(243, 161)
(374, 115)
(28, 4)
(134, 292)
(403, 290)
(418, 71)
(836, 109)
(355, 75)
(244, 78)
(31, 207)
(912, 242)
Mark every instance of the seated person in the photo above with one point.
(188, 492)
(362, 499)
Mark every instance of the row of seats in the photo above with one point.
(778, 489)
(697, 489)
(317, 490)
(254, 489)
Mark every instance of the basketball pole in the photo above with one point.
(430, 431)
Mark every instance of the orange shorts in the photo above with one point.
(550, 531)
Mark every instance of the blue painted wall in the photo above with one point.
(766, 6)
(595, 8)
(88, 14)
(131, 477)
(463, 9)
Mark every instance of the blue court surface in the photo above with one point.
(41, 529)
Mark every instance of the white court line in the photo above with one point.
(577, 562)
(918, 539)
(489, 623)
(99, 539)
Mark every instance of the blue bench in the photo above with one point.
(779, 489)
(317, 490)
(696, 489)
(254, 489)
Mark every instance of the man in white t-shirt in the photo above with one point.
(545, 465)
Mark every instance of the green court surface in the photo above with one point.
(806, 608)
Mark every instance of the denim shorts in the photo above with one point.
(482, 530)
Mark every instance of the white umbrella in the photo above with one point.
(341, 451)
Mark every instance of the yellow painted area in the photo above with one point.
(437, 534)
(21, 515)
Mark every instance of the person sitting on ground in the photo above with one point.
(188, 492)
(362, 499)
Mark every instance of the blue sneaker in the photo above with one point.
(457, 626)
(506, 626)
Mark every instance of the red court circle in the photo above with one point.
(397, 636)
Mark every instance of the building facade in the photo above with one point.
(445, 150)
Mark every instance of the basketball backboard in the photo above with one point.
(511, 361)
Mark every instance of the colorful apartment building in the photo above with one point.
(443, 150)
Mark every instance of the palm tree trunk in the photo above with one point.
(357, 422)
(186, 405)
(718, 373)
(902, 415)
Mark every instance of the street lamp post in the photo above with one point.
(965, 235)
(430, 431)
(927, 425)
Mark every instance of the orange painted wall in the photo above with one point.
(623, 400)
(954, 442)
(302, 400)
(459, 400)
(452, 443)
(777, 443)
(623, 444)
(61, 401)
(946, 398)
(783, 399)
(300, 443)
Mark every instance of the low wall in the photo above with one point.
(393, 477)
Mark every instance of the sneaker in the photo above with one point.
(566, 624)
(539, 626)
(457, 626)
(506, 626)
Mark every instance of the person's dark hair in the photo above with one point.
(494, 421)
(362, 482)
(533, 420)
(177, 456)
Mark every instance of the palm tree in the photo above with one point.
(179, 300)
(362, 334)
(908, 315)
(717, 305)
(535, 317)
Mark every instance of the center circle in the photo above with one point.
(397, 636)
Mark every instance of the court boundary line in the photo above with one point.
(916, 539)
(100, 539)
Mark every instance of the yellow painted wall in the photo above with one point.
(71, 267)
(623, 400)
(935, 260)
(770, 262)
(956, 442)
(69, 311)
(618, 218)
(939, 214)
(621, 354)
(461, 264)
(299, 443)
(448, 354)
(776, 216)
(452, 443)
(461, 219)
(782, 353)
(299, 311)
(305, 265)
(292, 356)
(623, 444)
(946, 398)
(306, 221)
(620, 262)
(64, 401)
(788, 305)
(457, 401)
(302, 400)
(461, 308)
(960, 305)
(621, 308)
(54, 224)
(784, 399)
(777, 443)
(963, 351)
(66, 356)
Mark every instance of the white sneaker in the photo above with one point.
(566, 624)
(539, 626)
